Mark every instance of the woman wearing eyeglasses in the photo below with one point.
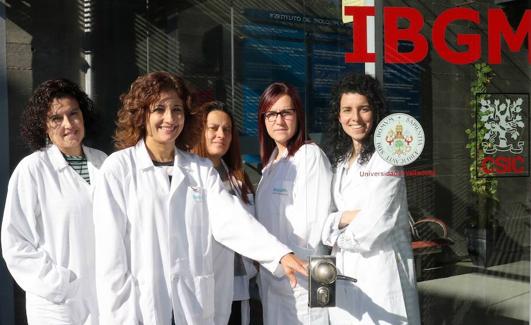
(292, 199)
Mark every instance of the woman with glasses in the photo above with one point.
(369, 227)
(292, 199)
(47, 229)
(157, 209)
(219, 142)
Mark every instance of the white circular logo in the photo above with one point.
(399, 139)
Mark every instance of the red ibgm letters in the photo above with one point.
(498, 29)
(359, 15)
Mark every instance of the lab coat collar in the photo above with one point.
(91, 159)
(56, 157)
(143, 159)
(343, 164)
(179, 167)
(284, 154)
(271, 160)
(144, 162)
(233, 181)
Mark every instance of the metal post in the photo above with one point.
(87, 20)
(7, 308)
(232, 65)
(378, 40)
(370, 67)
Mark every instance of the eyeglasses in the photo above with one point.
(285, 114)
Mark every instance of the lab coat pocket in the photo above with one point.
(73, 311)
(204, 285)
(196, 295)
(79, 309)
(73, 288)
(75, 300)
(282, 190)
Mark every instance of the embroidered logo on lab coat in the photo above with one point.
(280, 191)
(197, 193)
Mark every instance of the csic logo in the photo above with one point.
(505, 144)
(399, 139)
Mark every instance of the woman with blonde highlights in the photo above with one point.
(157, 209)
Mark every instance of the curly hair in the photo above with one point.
(232, 157)
(34, 117)
(339, 145)
(134, 110)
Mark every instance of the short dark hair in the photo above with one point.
(338, 144)
(34, 117)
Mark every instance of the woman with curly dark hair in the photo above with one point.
(369, 229)
(47, 229)
(157, 209)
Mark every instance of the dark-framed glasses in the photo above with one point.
(285, 114)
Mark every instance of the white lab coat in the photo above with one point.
(375, 248)
(224, 277)
(154, 247)
(48, 237)
(292, 202)
(224, 271)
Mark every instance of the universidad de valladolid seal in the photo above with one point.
(399, 139)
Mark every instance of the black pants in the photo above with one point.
(236, 313)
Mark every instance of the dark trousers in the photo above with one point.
(236, 313)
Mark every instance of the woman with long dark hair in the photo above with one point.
(368, 229)
(292, 199)
(220, 143)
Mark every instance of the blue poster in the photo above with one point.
(402, 85)
(307, 52)
(328, 66)
(268, 60)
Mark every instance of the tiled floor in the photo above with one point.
(496, 295)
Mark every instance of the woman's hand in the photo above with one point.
(291, 265)
(347, 217)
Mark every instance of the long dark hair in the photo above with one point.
(232, 157)
(268, 98)
(338, 144)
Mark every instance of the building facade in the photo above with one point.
(230, 50)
